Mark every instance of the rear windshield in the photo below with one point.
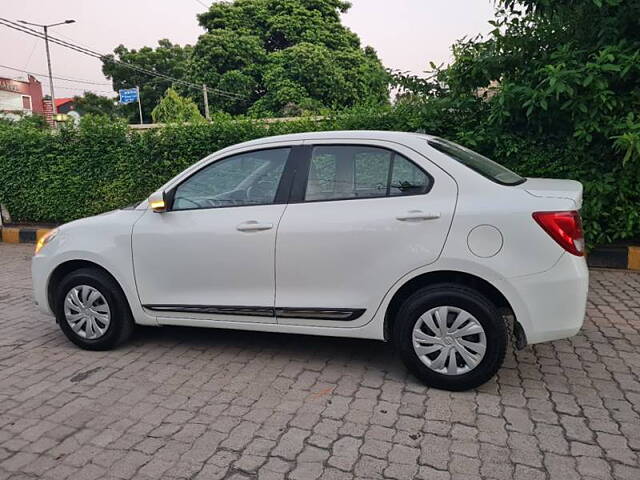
(476, 162)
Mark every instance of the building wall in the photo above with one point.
(12, 102)
(35, 89)
(21, 96)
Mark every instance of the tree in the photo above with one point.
(173, 108)
(566, 80)
(313, 77)
(284, 55)
(229, 61)
(566, 67)
(264, 57)
(90, 103)
(167, 59)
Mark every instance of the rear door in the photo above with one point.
(362, 215)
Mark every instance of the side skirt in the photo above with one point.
(333, 314)
(372, 330)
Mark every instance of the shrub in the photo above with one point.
(172, 108)
(48, 176)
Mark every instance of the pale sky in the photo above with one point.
(407, 34)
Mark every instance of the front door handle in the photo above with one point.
(254, 226)
(418, 216)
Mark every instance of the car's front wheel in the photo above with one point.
(450, 336)
(92, 310)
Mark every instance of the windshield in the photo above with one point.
(476, 162)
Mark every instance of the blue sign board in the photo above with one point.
(128, 95)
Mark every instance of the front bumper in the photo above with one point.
(40, 273)
(551, 305)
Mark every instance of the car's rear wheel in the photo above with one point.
(450, 336)
(92, 311)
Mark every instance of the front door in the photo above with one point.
(212, 254)
(365, 216)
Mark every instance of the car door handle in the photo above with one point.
(418, 216)
(253, 226)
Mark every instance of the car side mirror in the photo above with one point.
(158, 202)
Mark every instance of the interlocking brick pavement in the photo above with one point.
(180, 403)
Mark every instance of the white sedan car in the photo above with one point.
(392, 236)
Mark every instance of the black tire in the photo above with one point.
(121, 325)
(464, 298)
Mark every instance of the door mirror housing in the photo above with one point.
(158, 202)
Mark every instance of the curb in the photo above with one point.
(620, 257)
(22, 234)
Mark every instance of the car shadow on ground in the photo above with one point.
(354, 353)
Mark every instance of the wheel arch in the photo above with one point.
(446, 276)
(70, 266)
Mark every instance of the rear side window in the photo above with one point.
(407, 178)
(344, 172)
(476, 162)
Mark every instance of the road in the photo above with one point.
(212, 404)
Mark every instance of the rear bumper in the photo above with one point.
(551, 305)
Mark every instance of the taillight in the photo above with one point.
(565, 228)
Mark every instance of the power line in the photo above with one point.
(35, 33)
(110, 58)
(76, 80)
(81, 44)
(203, 4)
(33, 49)
(76, 89)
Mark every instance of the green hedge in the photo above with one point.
(102, 165)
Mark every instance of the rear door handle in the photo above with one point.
(254, 226)
(418, 216)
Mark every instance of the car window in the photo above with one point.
(250, 178)
(343, 172)
(371, 172)
(476, 162)
(407, 178)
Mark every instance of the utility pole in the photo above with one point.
(53, 95)
(206, 101)
(46, 44)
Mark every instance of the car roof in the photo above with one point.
(337, 135)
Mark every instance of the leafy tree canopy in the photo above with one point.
(569, 68)
(560, 74)
(90, 103)
(286, 54)
(173, 108)
(264, 57)
(167, 59)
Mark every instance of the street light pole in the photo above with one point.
(46, 44)
(54, 110)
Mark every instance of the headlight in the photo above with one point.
(46, 238)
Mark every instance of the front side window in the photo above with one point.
(250, 178)
(476, 162)
(344, 172)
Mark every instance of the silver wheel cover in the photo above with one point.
(87, 312)
(449, 340)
